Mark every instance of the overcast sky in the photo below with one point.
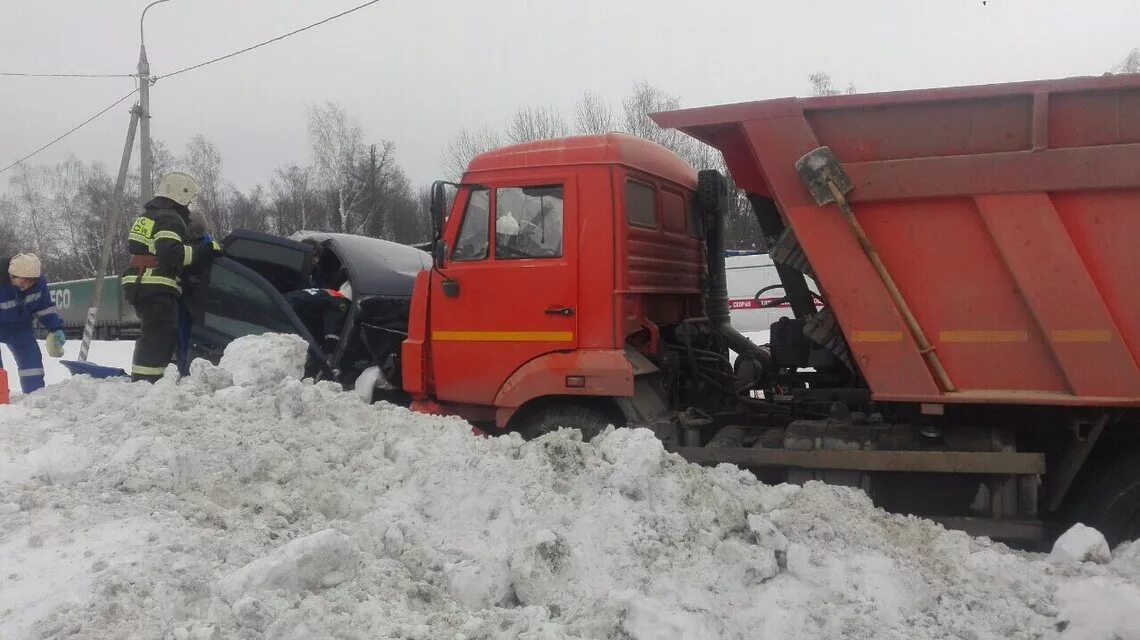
(415, 71)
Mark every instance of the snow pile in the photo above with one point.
(1081, 544)
(241, 502)
(263, 361)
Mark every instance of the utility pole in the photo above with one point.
(145, 160)
(110, 229)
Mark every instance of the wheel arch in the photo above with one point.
(605, 375)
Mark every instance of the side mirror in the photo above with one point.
(438, 207)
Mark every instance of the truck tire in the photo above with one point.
(548, 417)
(1111, 503)
(710, 190)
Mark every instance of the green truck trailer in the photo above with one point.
(116, 318)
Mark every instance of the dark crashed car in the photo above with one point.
(244, 292)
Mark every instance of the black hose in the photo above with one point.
(714, 202)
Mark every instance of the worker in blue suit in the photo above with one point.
(24, 298)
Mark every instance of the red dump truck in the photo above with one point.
(970, 353)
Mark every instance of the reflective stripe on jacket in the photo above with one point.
(158, 251)
(18, 309)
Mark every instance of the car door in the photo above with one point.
(286, 264)
(231, 301)
(511, 287)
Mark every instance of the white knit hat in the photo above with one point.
(24, 265)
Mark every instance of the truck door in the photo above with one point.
(509, 290)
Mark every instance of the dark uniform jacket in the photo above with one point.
(19, 308)
(159, 252)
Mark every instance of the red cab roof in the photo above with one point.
(609, 148)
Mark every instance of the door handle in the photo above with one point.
(559, 311)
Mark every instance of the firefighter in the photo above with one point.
(159, 252)
(24, 297)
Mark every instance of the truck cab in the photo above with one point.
(557, 267)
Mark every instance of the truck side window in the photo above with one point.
(474, 233)
(674, 214)
(640, 204)
(696, 225)
(528, 222)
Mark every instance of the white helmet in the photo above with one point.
(25, 265)
(507, 225)
(177, 186)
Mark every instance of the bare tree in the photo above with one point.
(58, 211)
(374, 173)
(592, 115)
(337, 141)
(292, 196)
(162, 159)
(823, 85)
(536, 123)
(645, 100)
(464, 146)
(9, 237)
(70, 216)
(249, 210)
(1130, 63)
(31, 206)
(203, 161)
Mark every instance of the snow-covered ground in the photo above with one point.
(241, 502)
(109, 353)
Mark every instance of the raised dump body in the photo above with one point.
(1008, 215)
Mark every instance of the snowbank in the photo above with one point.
(195, 508)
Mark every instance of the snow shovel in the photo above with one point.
(91, 369)
(828, 183)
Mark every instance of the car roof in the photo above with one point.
(375, 267)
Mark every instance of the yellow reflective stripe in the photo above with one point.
(138, 369)
(167, 235)
(1082, 335)
(187, 254)
(1005, 335)
(148, 277)
(503, 336)
(143, 240)
(876, 336)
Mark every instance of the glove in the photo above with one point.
(210, 245)
(54, 343)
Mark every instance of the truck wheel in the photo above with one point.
(1111, 504)
(543, 419)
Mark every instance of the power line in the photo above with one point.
(156, 78)
(71, 131)
(68, 75)
(262, 44)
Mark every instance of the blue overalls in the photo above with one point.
(18, 310)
